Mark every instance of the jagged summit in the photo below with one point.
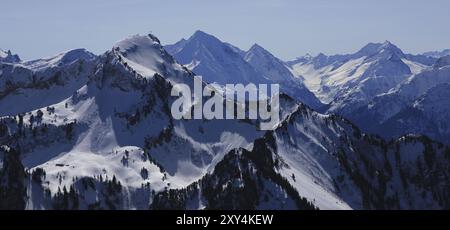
(384, 49)
(258, 50)
(222, 63)
(389, 47)
(4, 54)
(198, 34)
(214, 60)
(257, 47)
(154, 38)
(7, 56)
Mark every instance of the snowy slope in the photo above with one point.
(354, 78)
(390, 111)
(64, 58)
(275, 71)
(265, 63)
(215, 60)
(329, 163)
(43, 82)
(134, 140)
(376, 88)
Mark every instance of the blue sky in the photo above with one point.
(287, 28)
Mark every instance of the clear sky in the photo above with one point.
(287, 28)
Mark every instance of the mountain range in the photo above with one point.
(222, 63)
(81, 131)
(379, 88)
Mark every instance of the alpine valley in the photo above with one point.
(367, 130)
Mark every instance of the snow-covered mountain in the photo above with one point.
(62, 59)
(275, 71)
(215, 60)
(222, 63)
(355, 78)
(323, 161)
(116, 130)
(376, 88)
(417, 105)
(272, 68)
(105, 139)
(43, 82)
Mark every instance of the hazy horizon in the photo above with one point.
(287, 28)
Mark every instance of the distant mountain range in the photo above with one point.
(379, 88)
(222, 63)
(80, 131)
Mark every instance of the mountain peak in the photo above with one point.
(137, 39)
(9, 57)
(144, 54)
(390, 51)
(200, 33)
(61, 59)
(389, 46)
(130, 44)
(256, 46)
(202, 36)
(387, 43)
(369, 49)
(259, 50)
(386, 48)
(75, 54)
